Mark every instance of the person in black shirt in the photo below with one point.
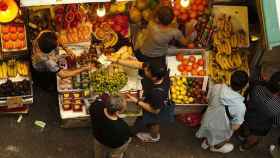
(156, 84)
(111, 133)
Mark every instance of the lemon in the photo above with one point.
(184, 79)
(191, 99)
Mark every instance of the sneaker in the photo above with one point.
(146, 137)
(204, 144)
(224, 149)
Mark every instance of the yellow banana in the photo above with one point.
(5, 70)
(1, 72)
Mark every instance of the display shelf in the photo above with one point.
(70, 114)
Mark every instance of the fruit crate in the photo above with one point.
(188, 62)
(189, 91)
(13, 37)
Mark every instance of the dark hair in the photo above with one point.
(165, 15)
(239, 79)
(47, 42)
(274, 83)
(157, 70)
(115, 103)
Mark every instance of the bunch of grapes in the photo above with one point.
(103, 81)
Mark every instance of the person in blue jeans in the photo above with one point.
(155, 103)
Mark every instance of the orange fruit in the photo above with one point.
(13, 36)
(21, 36)
(5, 29)
(12, 29)
(194, 72)
(6, 37)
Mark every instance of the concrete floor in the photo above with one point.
(25, 140)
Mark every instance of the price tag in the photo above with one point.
(14, 102)
(205, 82)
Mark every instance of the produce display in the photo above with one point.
(186, 90)
(12, 68)
(117, 8)
(38, 21)
(108, 37)
(10, 88)
(110, 80)
(13, 37)
(193, 11)
(72, 101)
(190, 64)
(123, 53)
(227, 56)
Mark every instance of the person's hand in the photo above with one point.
(131, 98)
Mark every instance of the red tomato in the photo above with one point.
(190, 45)
(200, 62)
(181, 68)
(194, 8)
(20, 29)
(13, 29)
(198, 1)
(192, 59)
(193, 15)
(5, 29)
(201, 7)
(176, 12)
(6, 37)
(13, 36)
(180, 56)
(195, 66)
(184, 16)
(188, 68)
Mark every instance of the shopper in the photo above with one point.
(262, 107)
(111, 133)
(156, 105)
(159, 33)
(45, 60)
(224, 114)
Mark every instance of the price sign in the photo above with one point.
(14, 102)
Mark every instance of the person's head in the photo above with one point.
(116, 104)
(238, 80)
(274, 83)
(47, 42)
(155, 72)
(165, 15)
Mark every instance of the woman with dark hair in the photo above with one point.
(111, 133)
(155, 103)
(263, 106)
(45, 60)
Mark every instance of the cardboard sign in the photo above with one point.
(14, 102)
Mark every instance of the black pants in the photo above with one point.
(45, 80)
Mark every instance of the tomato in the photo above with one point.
(190, 45)
(188, 68)
(194, 72)
(181, 68)
(200, 62)
(194, 8)
(180, 56)
(176, 12)
(21, 36)
(195, 66)
(193, 15)
(6, 37)
(199, 1)
(20, 29)
(192, 59)
(13, 29)
(5, 29)
(13, 36)
(184, 17)
(201, 7)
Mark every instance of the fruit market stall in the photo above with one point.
(16, 94)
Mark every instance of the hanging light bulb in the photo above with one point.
(185, 3)
(101, 10)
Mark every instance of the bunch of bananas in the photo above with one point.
(220, 66)
(13, 67)
(225, 40)
(227, 62)
(111, 39)
(22, 68)
(123, 53)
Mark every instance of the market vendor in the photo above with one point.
(155, 103)
(159, 33)
(45, 60)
